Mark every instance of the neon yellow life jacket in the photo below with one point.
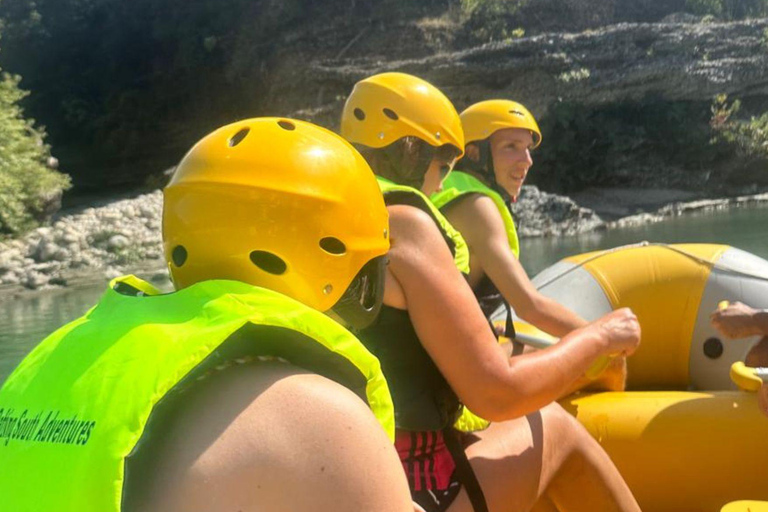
(401, 194)
(459, 184)
(78, 404)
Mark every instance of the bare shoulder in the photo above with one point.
(476, 217)
(270, 436)
(412, 224)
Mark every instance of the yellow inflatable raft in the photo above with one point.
(746, 506)
(673, 289)
(686, 438)
(681, 450)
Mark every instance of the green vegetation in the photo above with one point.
(574, 75)
(728, 9)
(492, 20)
(26, 184)
(126, 87)
(748, 137)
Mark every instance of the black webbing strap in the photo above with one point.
(464, 470)
(509, 332)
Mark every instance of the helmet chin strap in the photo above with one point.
(484, 167)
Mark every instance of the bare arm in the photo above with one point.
(454, 331)
(740, 321)
(271, 437)
(479, 222)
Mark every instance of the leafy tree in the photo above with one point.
(26, 183)
(748, 137)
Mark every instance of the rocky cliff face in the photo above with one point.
(629, 61)
(627, 105)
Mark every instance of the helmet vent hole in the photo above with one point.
(287, 125)
(238, 137)
(333, 245)
(179, 255)
(359, 114)
(268, 262)
(391, 114)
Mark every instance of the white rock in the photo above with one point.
(46, 268)
(111, 273)
(10, 279)
(45, 250)
(117, 242)
(44, 233)
(61, 255)
(35, 280)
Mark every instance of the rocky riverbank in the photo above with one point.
(125, 235)
(95, 244)
(540, 213)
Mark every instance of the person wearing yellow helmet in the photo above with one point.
(411, 143)
(234, 392)
(500, 135)
(438, 351)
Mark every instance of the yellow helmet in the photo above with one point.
(389, 106)
(481, 120)
(284, 205)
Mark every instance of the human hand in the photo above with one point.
(620, 331)
(736, 321)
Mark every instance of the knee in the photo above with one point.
(563, 433)
(554, 417)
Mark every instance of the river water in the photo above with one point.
(25, 321)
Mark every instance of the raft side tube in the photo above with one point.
(681, 450)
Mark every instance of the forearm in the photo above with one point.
(551, 316)
(538, 378)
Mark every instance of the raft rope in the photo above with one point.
(713, 264)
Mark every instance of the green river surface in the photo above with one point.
(27, 320)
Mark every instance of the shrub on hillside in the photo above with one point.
(748, 137)
(27, 185)
(728, 9)
(491, 20)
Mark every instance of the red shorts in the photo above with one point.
(429, 467)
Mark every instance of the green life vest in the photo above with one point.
(401, 194)
(77, 406)
(459, 184)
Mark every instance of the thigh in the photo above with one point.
(507, 460)
(515, 460)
